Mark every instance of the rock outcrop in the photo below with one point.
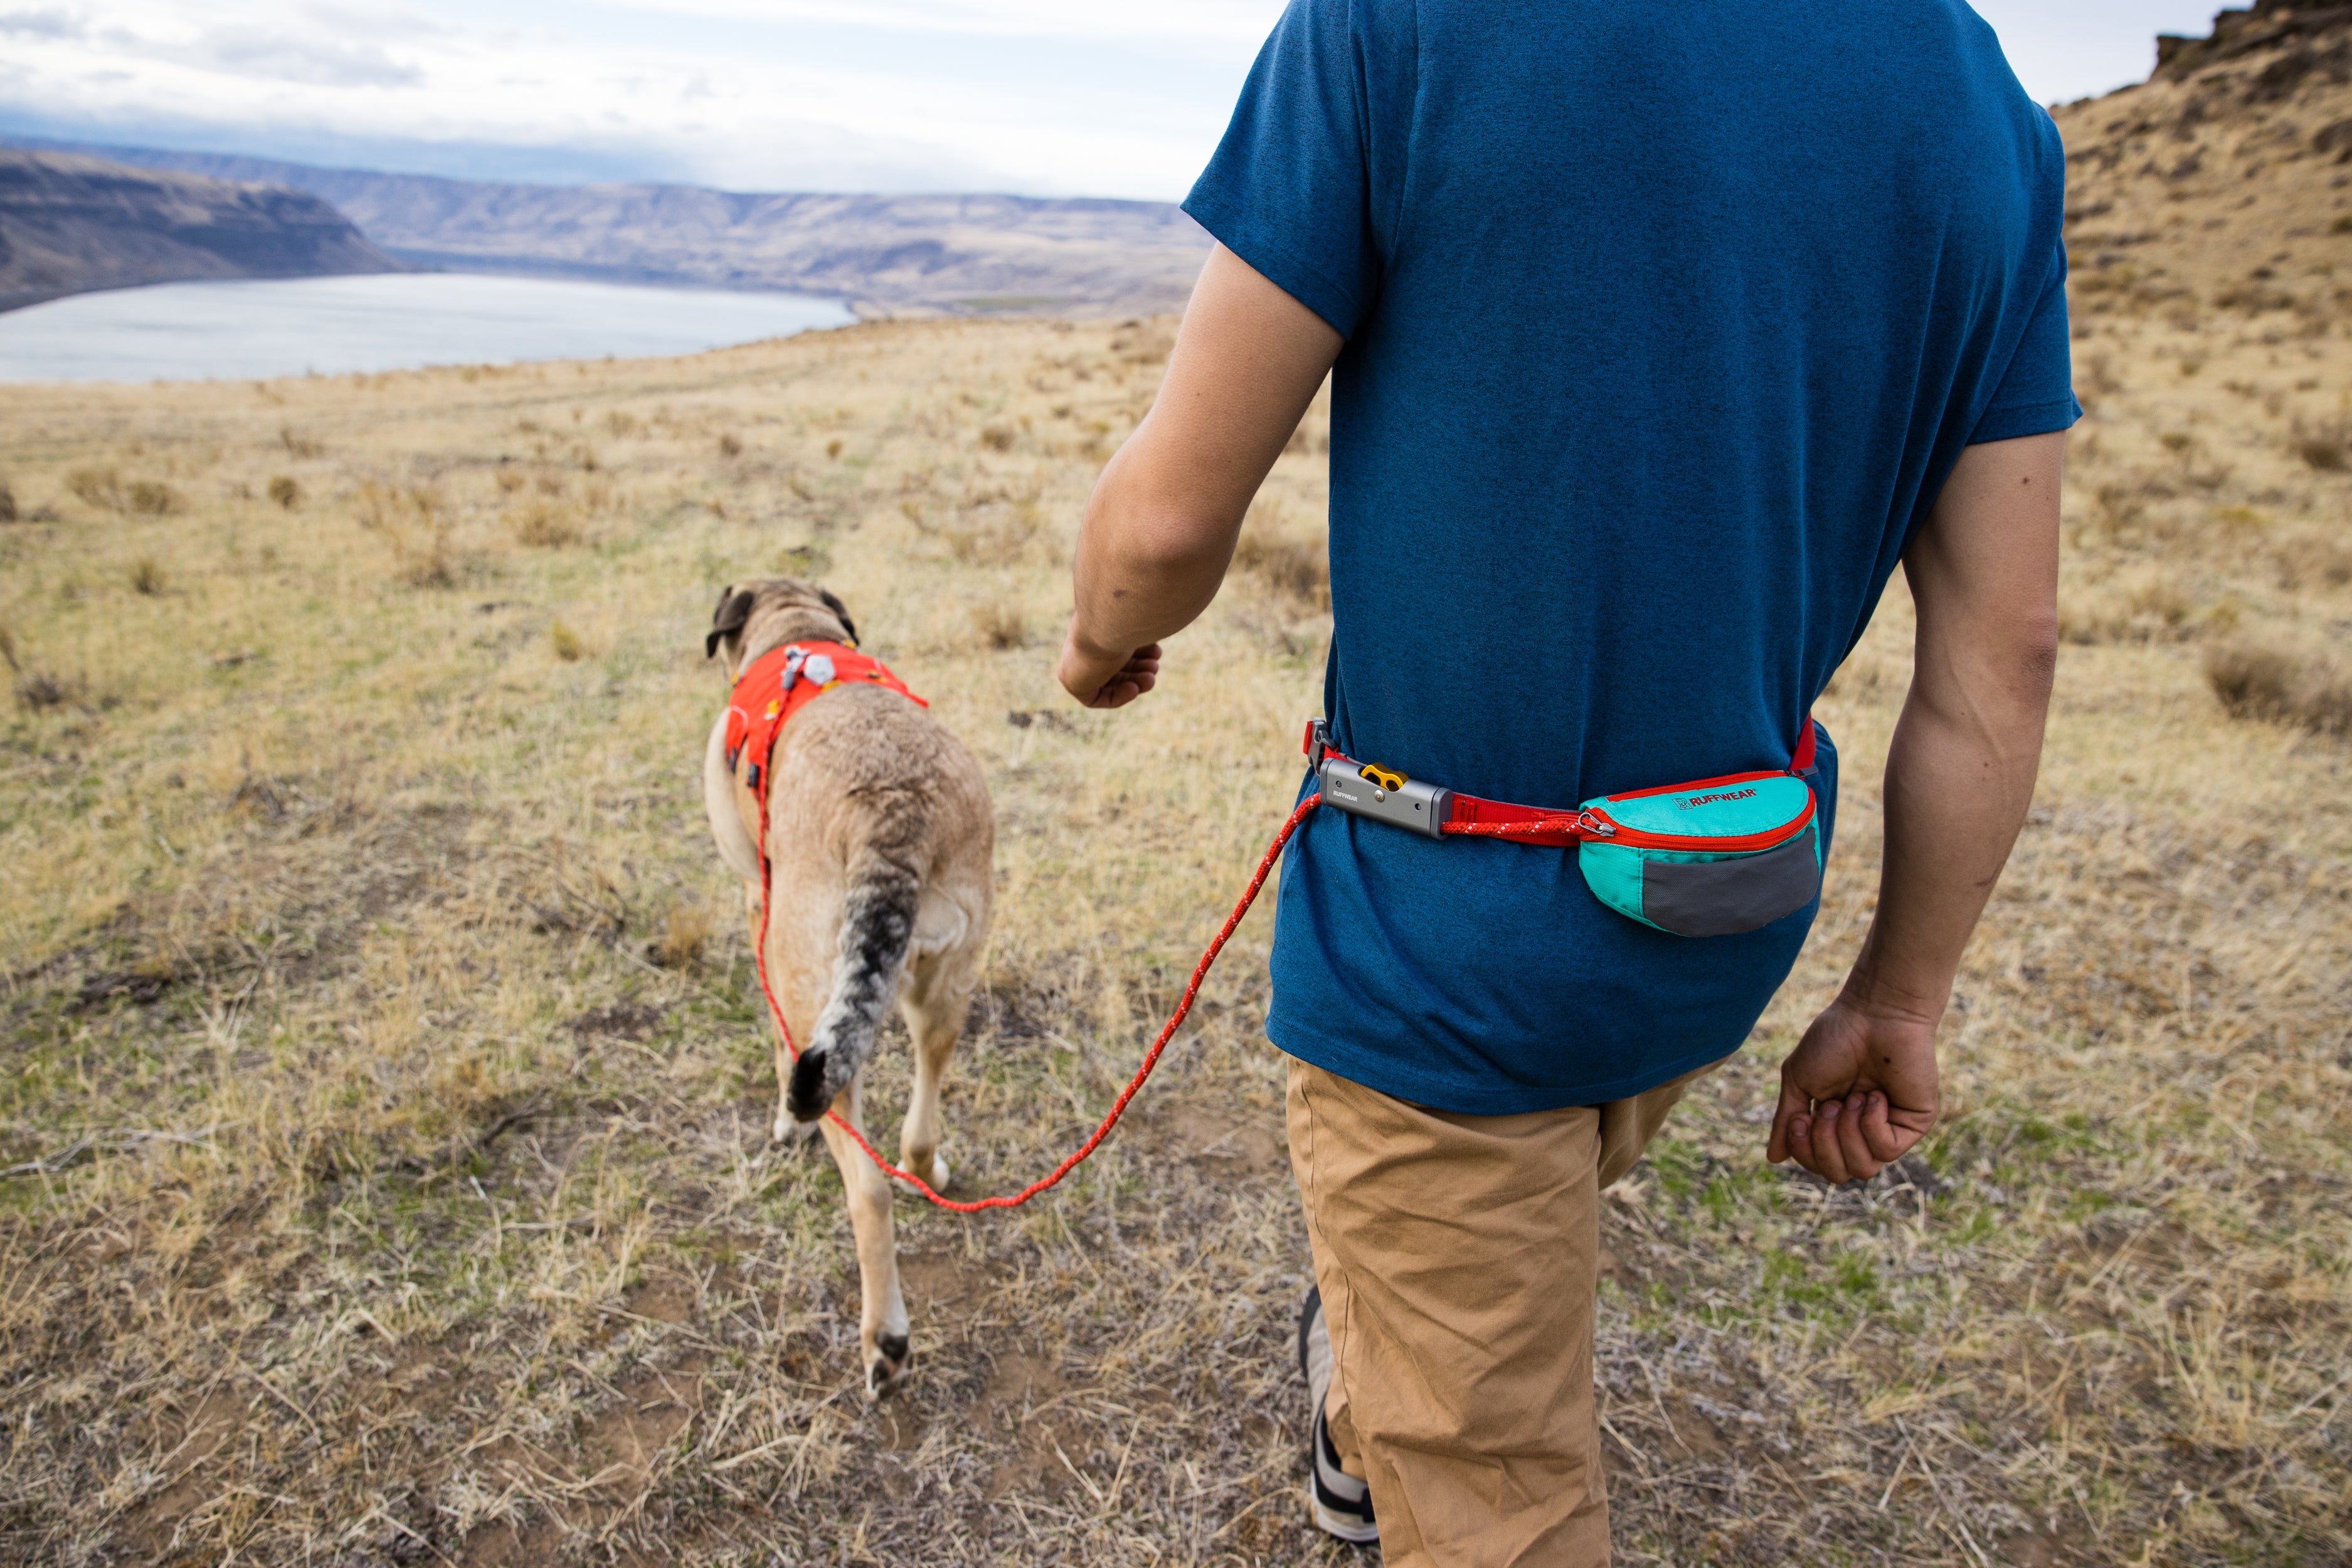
(69, 224)
(2225, 181)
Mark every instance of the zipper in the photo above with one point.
(1740, 844)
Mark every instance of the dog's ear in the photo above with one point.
(841, 611)
(734, 610)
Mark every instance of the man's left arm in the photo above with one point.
(1160, 525)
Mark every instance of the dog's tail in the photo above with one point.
(877, 922)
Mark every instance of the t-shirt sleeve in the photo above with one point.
(1287, 190)
(2037, 395)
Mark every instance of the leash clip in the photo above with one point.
(1318, 744)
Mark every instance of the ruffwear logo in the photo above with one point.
(1690, 801)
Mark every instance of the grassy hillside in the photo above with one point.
(384, 1109)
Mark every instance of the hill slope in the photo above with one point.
(69, 224)
(887, 256)
(2224, 181)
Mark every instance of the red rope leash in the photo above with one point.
(1150, 1058)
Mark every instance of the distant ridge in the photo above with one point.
(884, 256)
(69, 224)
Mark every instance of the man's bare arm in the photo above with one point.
(1862, 1087)
(1160, 526)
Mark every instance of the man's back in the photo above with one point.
(1664, 326)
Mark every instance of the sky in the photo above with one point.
(1110, 98)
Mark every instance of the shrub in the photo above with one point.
(2312, 558)
(2324, 447)
(833, 448)
(147, 576)
(298, 445)
(1296, 564)
(995, 438)
(412, 522)
(285, 492)
(149, 498)
(546, 526)
(1001, 625)
(2265, 683)
(566, 643)
(2251, 682)
(96, 487)
(685, 932)
(731, 446)
(7, 503)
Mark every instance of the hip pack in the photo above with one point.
(1711, 858)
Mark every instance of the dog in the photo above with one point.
(881, 848)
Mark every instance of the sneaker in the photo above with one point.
(1342, 1504)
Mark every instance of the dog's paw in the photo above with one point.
(807, 1095)
(889, 1363)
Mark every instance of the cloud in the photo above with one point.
(42, 25)
(897, 95)
(257, 52)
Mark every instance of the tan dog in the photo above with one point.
(881, 848)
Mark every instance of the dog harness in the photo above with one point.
(778, 684)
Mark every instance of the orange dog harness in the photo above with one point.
(778, 684)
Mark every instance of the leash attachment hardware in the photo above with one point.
(1385, 797)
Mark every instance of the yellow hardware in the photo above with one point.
(1392, 782)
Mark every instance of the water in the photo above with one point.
(252, 328)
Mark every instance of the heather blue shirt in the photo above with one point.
(1664, 326)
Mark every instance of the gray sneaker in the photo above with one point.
(1342, 1504)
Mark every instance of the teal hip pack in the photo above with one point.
(1712, 857)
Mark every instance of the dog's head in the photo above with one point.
(753, 617)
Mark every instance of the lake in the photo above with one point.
(244, 329)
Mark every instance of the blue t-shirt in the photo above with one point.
(1664, 326)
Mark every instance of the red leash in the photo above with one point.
(1150, 1058)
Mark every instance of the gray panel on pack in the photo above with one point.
(1723, 898)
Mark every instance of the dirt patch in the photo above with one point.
(1225, 1139)
(606, 1478)
(939, 1284)
(183, 1447)
(1021, 1398)
(622, 1020)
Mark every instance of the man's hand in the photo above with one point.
(1107, 679)
(1159, 528)
(1857, 1093)
(1860, 1089)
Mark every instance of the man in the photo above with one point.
(1658, 335)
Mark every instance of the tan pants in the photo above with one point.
(1457, 1256)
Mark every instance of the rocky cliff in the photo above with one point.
(2225, 181)
(69, 224)
(887, 256)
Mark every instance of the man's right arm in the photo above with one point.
(1862, 1087)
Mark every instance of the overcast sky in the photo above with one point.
(1049, 97)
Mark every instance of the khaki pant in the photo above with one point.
(1457, 1256)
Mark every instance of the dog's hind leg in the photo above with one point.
(934, 1006)
(882, 1309)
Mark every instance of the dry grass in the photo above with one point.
(384, 1114)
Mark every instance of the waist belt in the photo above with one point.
(1709, 857)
